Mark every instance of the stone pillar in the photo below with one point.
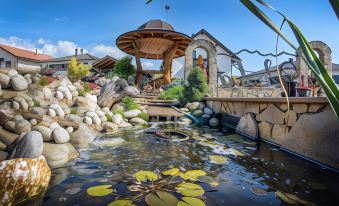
(212, 62)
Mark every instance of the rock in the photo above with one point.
(252, 108)
(314, 108)
(58, 95)
(272, 115)
(279, 132)
(90, 97)
(78, 86)
(71, 88)
(2, 146)
(198, 113)
(117, 119)
(3, 156)
(38, 110)
(60, 112)
(45, 132)
(59, 154)
(186, 120)
(100, 113)
(88, 120)
(51, 112)
(103, 119)
(214, 122)
(109, 127)
(81, 101)
(105, 109)
(67, 94)
(33, 122)
(248, 125)
(300, 108)
(69, 130)
(54, 125)
(96, 120)
(12, 72)
(73, 118)
(132, 113)
(83, 136)
(137, 120)
(47, 93)
(111, 143)
(4, 81)
(6, 115)
(22, 179)
(21, 126)
(15, 105)
(22, 102)
(206, 116)
(7, 137)
(124, 124)
(10, 126)
(193, 106)
(290, 118)
(184, 109)
(208, 111)
(202, 105)
(60, 135)
(18, 83)
(109, 113)
(265, 130)
(131, 91)
(29, 145)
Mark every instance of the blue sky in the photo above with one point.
(56, 27)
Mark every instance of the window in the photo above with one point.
(8, 64)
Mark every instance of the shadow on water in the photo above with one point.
(263, 166)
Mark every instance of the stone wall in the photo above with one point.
(249, 92)
(310, 128)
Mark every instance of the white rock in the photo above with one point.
(21, 126)
(66, 92)
(54, 125)
(132, 113)
(109, 113)
(124, 125)
(88, 120)
(202, 105)
(12, 72)
(75, 93)
(18, 83)
(60, 135)
(5, 81)
(78, 86)
(96, 120)
(105, 109)
(103, 119)
(100, 113)
(71, 88)
(10, 126)
(60, 112)
(137, 120)
(47, 93)
(117, 119)
(33, 122)
(93, 98)
(51, 112)
(22, 102)
(69, 130)
(110, 126)
(91, 114)
(18, 117)
(15, 105)
(54, 106)
(59, 95)
(45, 132)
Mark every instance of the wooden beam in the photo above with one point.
(136, 45)
(168, 63)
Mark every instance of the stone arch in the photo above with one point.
(212, 61)
(325, 56)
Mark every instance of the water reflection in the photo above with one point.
(264, 166)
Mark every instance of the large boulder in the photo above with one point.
(132, 113)
(5, 81)
(21, 179)
(59, 154)
(45, 132)
(83, 136)
(18, 83)
(3, 155)
(60, 135)
(29, 145)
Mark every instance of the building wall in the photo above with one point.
(7, 57)
(28, 64)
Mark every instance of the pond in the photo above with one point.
(263, 166)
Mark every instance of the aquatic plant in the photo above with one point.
(196, 88)
(124, 68)
(129, 103)
(157, 190)
(172, 93)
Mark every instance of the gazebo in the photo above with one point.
(155, 39)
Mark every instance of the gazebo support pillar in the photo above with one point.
(168, 63)
(138, 62)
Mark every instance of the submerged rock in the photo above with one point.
(83, 136)
(58, 154)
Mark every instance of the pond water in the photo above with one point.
(264, 166)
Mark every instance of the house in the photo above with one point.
(335, 73)
(11, 57)
(105, 64)
(60, 64)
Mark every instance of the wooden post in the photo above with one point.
(138, 62)
(168, 63)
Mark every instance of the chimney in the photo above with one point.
(81, 51)
(76, 51)
(36, 51)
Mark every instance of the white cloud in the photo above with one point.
(148, 65)
(101, 50)
(41, 41)
(61, 48)
(57, 19)
(18, 42)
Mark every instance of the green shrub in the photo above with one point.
(196, 88)
(43, 81)
(124, 68)
(36, 103)
(80, 92)
(172, 93)
(74, 111)
(144, 116)
(109, 118)
(76, 70)
(118, 111)
(129, 103)
(87, 87)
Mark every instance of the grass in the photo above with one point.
(43, 81)
(74, 111)
(129, 103)
(118, 111)
(36, 103)
(80, 92)
(144, 116)
(87, 87)
(172, 93)
(109, 118)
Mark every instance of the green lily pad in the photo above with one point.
(209, 180)
(191, 201)
(172, 172)
(217, 159)
(122, 203)
(161, 198)
(190, 189)
(192, 175)
(146, 175)
(292, 199)
(100, 190)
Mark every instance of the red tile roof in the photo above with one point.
(25, 54)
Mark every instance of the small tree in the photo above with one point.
(196, 88)
(124, 68)
(83, 70)
(76, 70)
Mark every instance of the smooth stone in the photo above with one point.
(124, 125)
(69, 130)
(110, 126)
(214, 122)
(132, 113)
(45, 132)
(105, 109)
(206, 116)
(7, 137)
(22, 125)
(10, 126)
(100, 113)
(18, 83)
(184, 109)
(29, 145)
(33, 122)
(15, 105)
(202, 105)
(6, 115)
(4, 81)
(54, 125)
(88, 120)
(51, 112)
(272, 115)
(59, 154)
(38, 110)
(198, 113)
(11, 73)
(137, 120)
(60, 135)
(265, 130)
(81, 101)
(22, 102)
(2, 146)
(83, 136)
(248, 125)
(58, 95)
(3, 156)
(117, 119)
(73, 118)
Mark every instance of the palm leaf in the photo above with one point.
(149, 1)
(325, 80)
(335, 6)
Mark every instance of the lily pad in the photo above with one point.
(122, 203)
(172, 172)
(191, 201)
(217, 159)
(192, 175)
(292, 199)
(146, 175)
(258, 191)
(190, 189)
(161, 198)
(234, 152)
(100, 190)
(209, 180)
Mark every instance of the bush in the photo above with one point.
(124, 68)
(76, 70)
(172, 93)
(196, 88)
(129, 103)
(87, 87)
(80, 92)
(36, 103)
(74, 111)
(144, 116)
(43, 81)
(109, 118)
(118, 111)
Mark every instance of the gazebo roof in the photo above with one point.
(155, 38)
